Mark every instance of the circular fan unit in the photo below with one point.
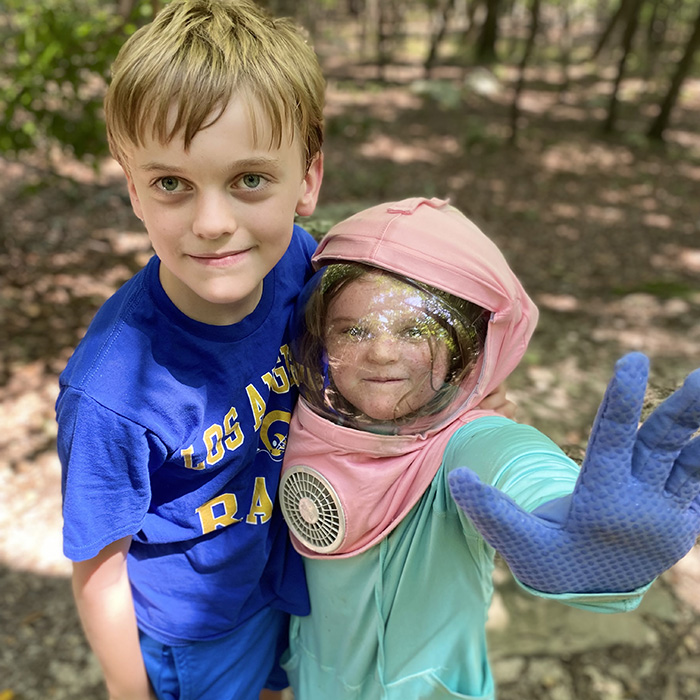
(312, 509)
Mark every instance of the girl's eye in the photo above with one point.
(169, 184)
(251, 181)
(353, 333)
(418, 330)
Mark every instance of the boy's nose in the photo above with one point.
(214, 216)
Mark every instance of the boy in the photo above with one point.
(173, 411)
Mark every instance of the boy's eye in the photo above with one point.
(169, 184)
(251, 181)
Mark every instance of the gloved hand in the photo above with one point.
(634, 511)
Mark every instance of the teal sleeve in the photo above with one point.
(595, 602)
(517, 459)
(525, 464)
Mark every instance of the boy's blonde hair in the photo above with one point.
(194, 56)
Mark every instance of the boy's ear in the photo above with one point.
(310, 187)
(133, 196)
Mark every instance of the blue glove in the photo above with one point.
(634, 511)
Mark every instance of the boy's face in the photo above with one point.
(220, 215)
(386, 355)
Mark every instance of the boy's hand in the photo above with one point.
(498, 402)
(634, 511)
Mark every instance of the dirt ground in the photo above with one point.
(605, 234)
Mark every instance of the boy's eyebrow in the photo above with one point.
(243, 164)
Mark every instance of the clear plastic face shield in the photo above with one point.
(379, 352)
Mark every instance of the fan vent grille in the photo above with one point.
(312, 509)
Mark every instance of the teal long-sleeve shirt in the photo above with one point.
(405, 620)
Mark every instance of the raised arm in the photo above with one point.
(635, 509)
(103, 598)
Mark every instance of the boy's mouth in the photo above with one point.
(219, 259)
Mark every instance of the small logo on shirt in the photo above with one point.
(273, 434)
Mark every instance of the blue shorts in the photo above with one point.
(235, 667)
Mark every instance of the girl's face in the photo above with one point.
(387, 356)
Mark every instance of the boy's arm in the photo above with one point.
(103, 598)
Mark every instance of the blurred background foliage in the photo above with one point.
(57, 53)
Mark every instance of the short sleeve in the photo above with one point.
(105, 460)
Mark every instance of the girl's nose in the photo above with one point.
(383, 349)
(214, 216)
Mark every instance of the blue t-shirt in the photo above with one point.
(172, 431)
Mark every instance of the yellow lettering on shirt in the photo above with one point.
(257, 405)
(277, 380)
(261, 504)
(232, 428)
(219, 512)
(213, 438)
(284, 351)
(187, 453)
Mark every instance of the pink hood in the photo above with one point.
(427, 240)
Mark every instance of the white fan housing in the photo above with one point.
(312, 509)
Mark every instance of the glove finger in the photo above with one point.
(609, 452)
(501, 522)
(666, 431)
(684, 481)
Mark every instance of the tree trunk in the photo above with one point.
(609, 28)
(655, 36)
(443, 15)
(566, 44)
(627, 39)
(383, 34)
(529, 46)
(658, 126)
(486, 42)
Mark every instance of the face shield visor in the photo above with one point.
(379, 352)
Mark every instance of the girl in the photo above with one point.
(397, 490)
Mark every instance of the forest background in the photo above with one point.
(567, 129)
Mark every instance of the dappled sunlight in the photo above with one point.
(558, 397)
(412, 151)
(68, 244)
(642, 321)
(685, 577)
(656, 220)
(130, 243)
(538, 102)
(584, 158)
(604, 215)
(559, 302)
(30, 501)
(692, 172)
(393, 102)
(675, 258)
